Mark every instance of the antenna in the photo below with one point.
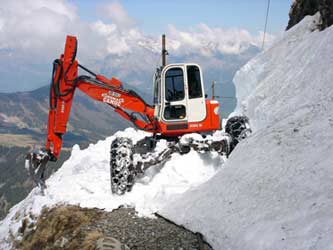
(213, 90)
(267, 12)
(164, 51)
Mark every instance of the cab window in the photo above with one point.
(194, 82)
(174, 112)
(174, 85)
(157, 93)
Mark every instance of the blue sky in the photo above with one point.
(155, 16)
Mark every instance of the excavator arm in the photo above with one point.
(65, 80)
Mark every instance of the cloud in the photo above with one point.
(32, 34)
(208, 41)
(34, 26)
(117, 14)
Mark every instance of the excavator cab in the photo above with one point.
(179, 99)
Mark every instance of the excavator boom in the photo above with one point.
(65, 81)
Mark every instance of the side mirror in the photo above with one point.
(206, 95)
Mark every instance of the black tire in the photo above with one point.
(121, 166)
(235, 127)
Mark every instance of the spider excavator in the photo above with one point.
(180, 108)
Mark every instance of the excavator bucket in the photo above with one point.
(35, 163)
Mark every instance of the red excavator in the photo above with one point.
(180, 107)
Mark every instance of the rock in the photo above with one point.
(109, 243)
(301, 8)
(61, 242)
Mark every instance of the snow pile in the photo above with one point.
(84, 179)
(276, 189)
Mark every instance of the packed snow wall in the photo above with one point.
(275, 191)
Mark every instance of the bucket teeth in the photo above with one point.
(35, 163)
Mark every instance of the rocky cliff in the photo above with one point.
(301, 8)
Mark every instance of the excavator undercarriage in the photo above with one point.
(127, 161)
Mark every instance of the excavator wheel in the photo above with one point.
(121, 165)
(238, 128)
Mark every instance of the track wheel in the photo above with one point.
(238, 128)
(121, 165)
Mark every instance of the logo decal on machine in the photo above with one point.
(195, 125)
(115, 94)
(62, 109)
(112, 98)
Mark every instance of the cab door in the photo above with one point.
(174, 95)
(196, 105)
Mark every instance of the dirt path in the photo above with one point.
(72, 227)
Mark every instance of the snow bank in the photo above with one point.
(84, 179)
(276, 189)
